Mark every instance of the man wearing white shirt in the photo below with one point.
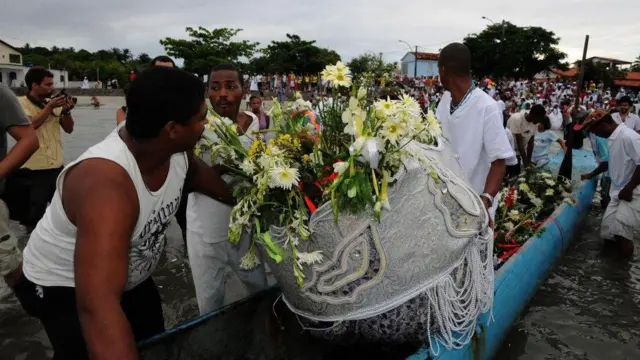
(622, 217)
(472, 121)
(632, 121)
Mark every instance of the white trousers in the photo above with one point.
(212, 257)
(621, 218)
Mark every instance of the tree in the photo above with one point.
(294, 55)
(636, 64)
(368, 63)
(206, 48)
(597, 72)
(513, 51)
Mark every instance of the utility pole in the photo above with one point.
(566, 166)
(415, 65)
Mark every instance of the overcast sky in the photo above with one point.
(350, 27)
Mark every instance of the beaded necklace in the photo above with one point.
(453, 108)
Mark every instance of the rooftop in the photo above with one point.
(423, 55)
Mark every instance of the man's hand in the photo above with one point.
(586, 176)
(55, 103)
(626, 194)
(68, 105)
(487, 205)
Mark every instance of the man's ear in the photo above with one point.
(171, 129)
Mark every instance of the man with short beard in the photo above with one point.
(211, 255)
(623, 115)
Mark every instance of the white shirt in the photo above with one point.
(49, 255)
(476, 133)
(512, 160)
(518, 125)
(501, 105)
(624, 156)
(632, 121)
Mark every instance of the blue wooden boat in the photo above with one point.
(248, 329)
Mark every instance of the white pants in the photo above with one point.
(621, 218)
(212, 257)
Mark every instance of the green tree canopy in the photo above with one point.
(369, 63)
(597, 71)
(293, 55)
(524, 52)
(206, 48)
(636, 64)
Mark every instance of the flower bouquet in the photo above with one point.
(359, 207)
(524, 207)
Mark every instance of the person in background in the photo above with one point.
(621, 219)
(264, 120)
(601, 153)
(624, 116)
(211, 256)
(13, 121)
(471, 121)
(542, 143)
(513, 164)
(523, 126)
(30, 189)
(86, 272)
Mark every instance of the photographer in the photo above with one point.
(31, 188)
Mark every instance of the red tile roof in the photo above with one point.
(569, 73)
(427, 56)
(632, 79)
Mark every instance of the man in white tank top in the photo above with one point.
(211, 256)
(88, 264)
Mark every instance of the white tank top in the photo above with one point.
(48, 257)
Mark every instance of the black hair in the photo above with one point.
(227, 67)
(546, 123)
(538, 111)
(159, 95)
(456, 58)
(625, 99)
(162, 58)
(253, 97)
(527, 106)
(36, 75)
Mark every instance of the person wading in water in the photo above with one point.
(88, 264)
(211, 256)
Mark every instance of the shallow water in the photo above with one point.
(587, 309)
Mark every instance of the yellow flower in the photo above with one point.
(256, 147)
(306, 158)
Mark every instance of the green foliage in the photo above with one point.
(368, 63)
(113, 63)
(636, 64)
(293, 55)
(206, 48)
(524, 52)
(596, 71)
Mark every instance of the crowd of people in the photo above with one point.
(97, 225)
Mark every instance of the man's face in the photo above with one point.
(225, 92)
(623, 107)
(45, 88)
(444, 77)
(163, 63)
(256, 104)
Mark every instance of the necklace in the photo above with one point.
(453, 108)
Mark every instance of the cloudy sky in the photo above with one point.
(350, 27)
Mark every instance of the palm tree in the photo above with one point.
(636, 64)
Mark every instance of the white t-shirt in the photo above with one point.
(209, 217)
(49, 255)
(476, 133)
(518, 124)
(632, 121)
(512, 160)
(624, 156)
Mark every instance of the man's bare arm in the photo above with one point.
(39, 120)
(530, 149)
(521, 148)
(208, 181)
(100, 199)
(66, 121)
(26, 145)
(495, 177)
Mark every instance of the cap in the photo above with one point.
(584, 119)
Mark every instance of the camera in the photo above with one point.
(63, 93)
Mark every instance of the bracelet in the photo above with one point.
(488, 197)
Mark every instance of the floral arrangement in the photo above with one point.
(524, 207)
(345, 152)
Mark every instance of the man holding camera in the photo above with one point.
(30, 189)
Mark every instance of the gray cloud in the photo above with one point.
(350, 27)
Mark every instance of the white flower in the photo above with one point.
(347, 116)
(509, 226)
(386, 106)
(546, 175)
(537, 202)
(284, 177)
(549, 181)
(352, 192)
(549, 192)
(393, 132)
(266, 161)
(522, 179)
(514, 215)
(309, 258)
(524, 187)
(247, 166)
(353, 103)
(349, 129)
(249, 260)
(340, 167)
(362, 92)
(358, 145)
(297, 95)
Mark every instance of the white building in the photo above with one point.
(12, 70)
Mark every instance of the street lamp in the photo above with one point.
(415, 55)
(494, 23)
